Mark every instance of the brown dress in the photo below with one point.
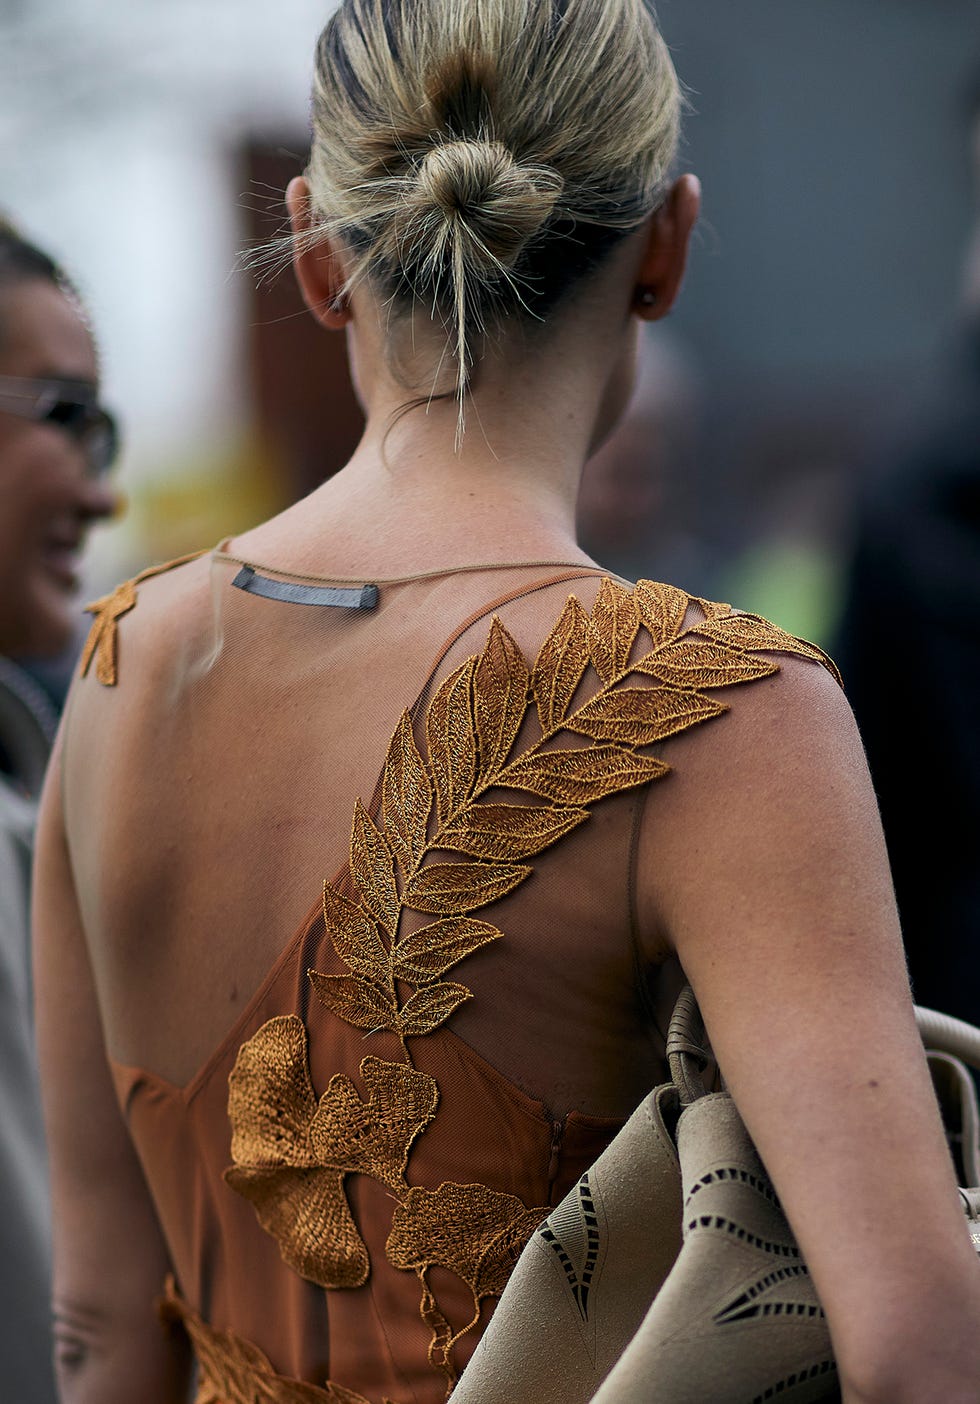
(349, 1137)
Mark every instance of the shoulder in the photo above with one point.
(164, 600)
(795, 702)
(768, 804)
(642, 664)
(141, 636)
(779, 699)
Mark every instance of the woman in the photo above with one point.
(55, 445)
(527, 809)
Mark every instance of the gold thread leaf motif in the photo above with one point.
(686, 663)
(560, 666)
(507, 831)
(751, 633)
(292, 1153)
(406, 796)
(272, 1101)
(453, 889)
(354, 936)
(231, 1370)
(371, 866)
(307, 1213)
(711, 608)
(357, 1001)
(440, 1346)
(102, 641)
(640, 716)
(500, 692)
(475, 1232)
(612, 629)
(663, 609)
(583, 776)
(374, 1137)
(431, 1006)
(272, 1107)
(427, 954)
(451, 739)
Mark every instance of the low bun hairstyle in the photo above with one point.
(473, 200)
(477, 157)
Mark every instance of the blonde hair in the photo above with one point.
(478, 156)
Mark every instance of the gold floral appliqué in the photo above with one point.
(444, 846)
(233, 1371)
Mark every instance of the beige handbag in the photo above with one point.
(669, 1274)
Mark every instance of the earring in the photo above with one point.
(646, 297)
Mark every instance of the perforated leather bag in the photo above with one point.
(669, 1274)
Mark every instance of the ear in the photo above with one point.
(319, 271)
(661, 271)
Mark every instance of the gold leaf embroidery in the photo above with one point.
(231, 1370)
(453, 889)
(750, 632)
(371, 866)
(612, 629)
(357, 1001)
(663, 609)
(500, 691)
(406, 796)
(354, 936)
(472, 724)
(451, 738)
(688, 663)
(560, 666)
(272, 1100)
(431, 1006)
(508, 831)
(427, 954)
(441, 1344)
(271, 1106)
(374, 1137)
(292, 1154)
(102, 641)
(307, 1213)
(710, 608)
(583, 776)
(475, 1232)
(640, 717)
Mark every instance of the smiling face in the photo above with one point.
(47, 500)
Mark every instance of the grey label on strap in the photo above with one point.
(357, 597)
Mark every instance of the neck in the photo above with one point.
(412, 498)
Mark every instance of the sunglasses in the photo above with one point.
(71, 407)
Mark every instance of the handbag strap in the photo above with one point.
(688, 1055)
(687, 1052)
(948, 1035)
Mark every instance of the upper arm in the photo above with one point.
(762, 863)
(110, 1257)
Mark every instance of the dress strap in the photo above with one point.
(101, 643)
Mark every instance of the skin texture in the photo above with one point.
(48, 500)
(762, 867)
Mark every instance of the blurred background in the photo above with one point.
(147, 145)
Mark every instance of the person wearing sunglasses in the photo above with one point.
(72, 406)
(56, 446)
